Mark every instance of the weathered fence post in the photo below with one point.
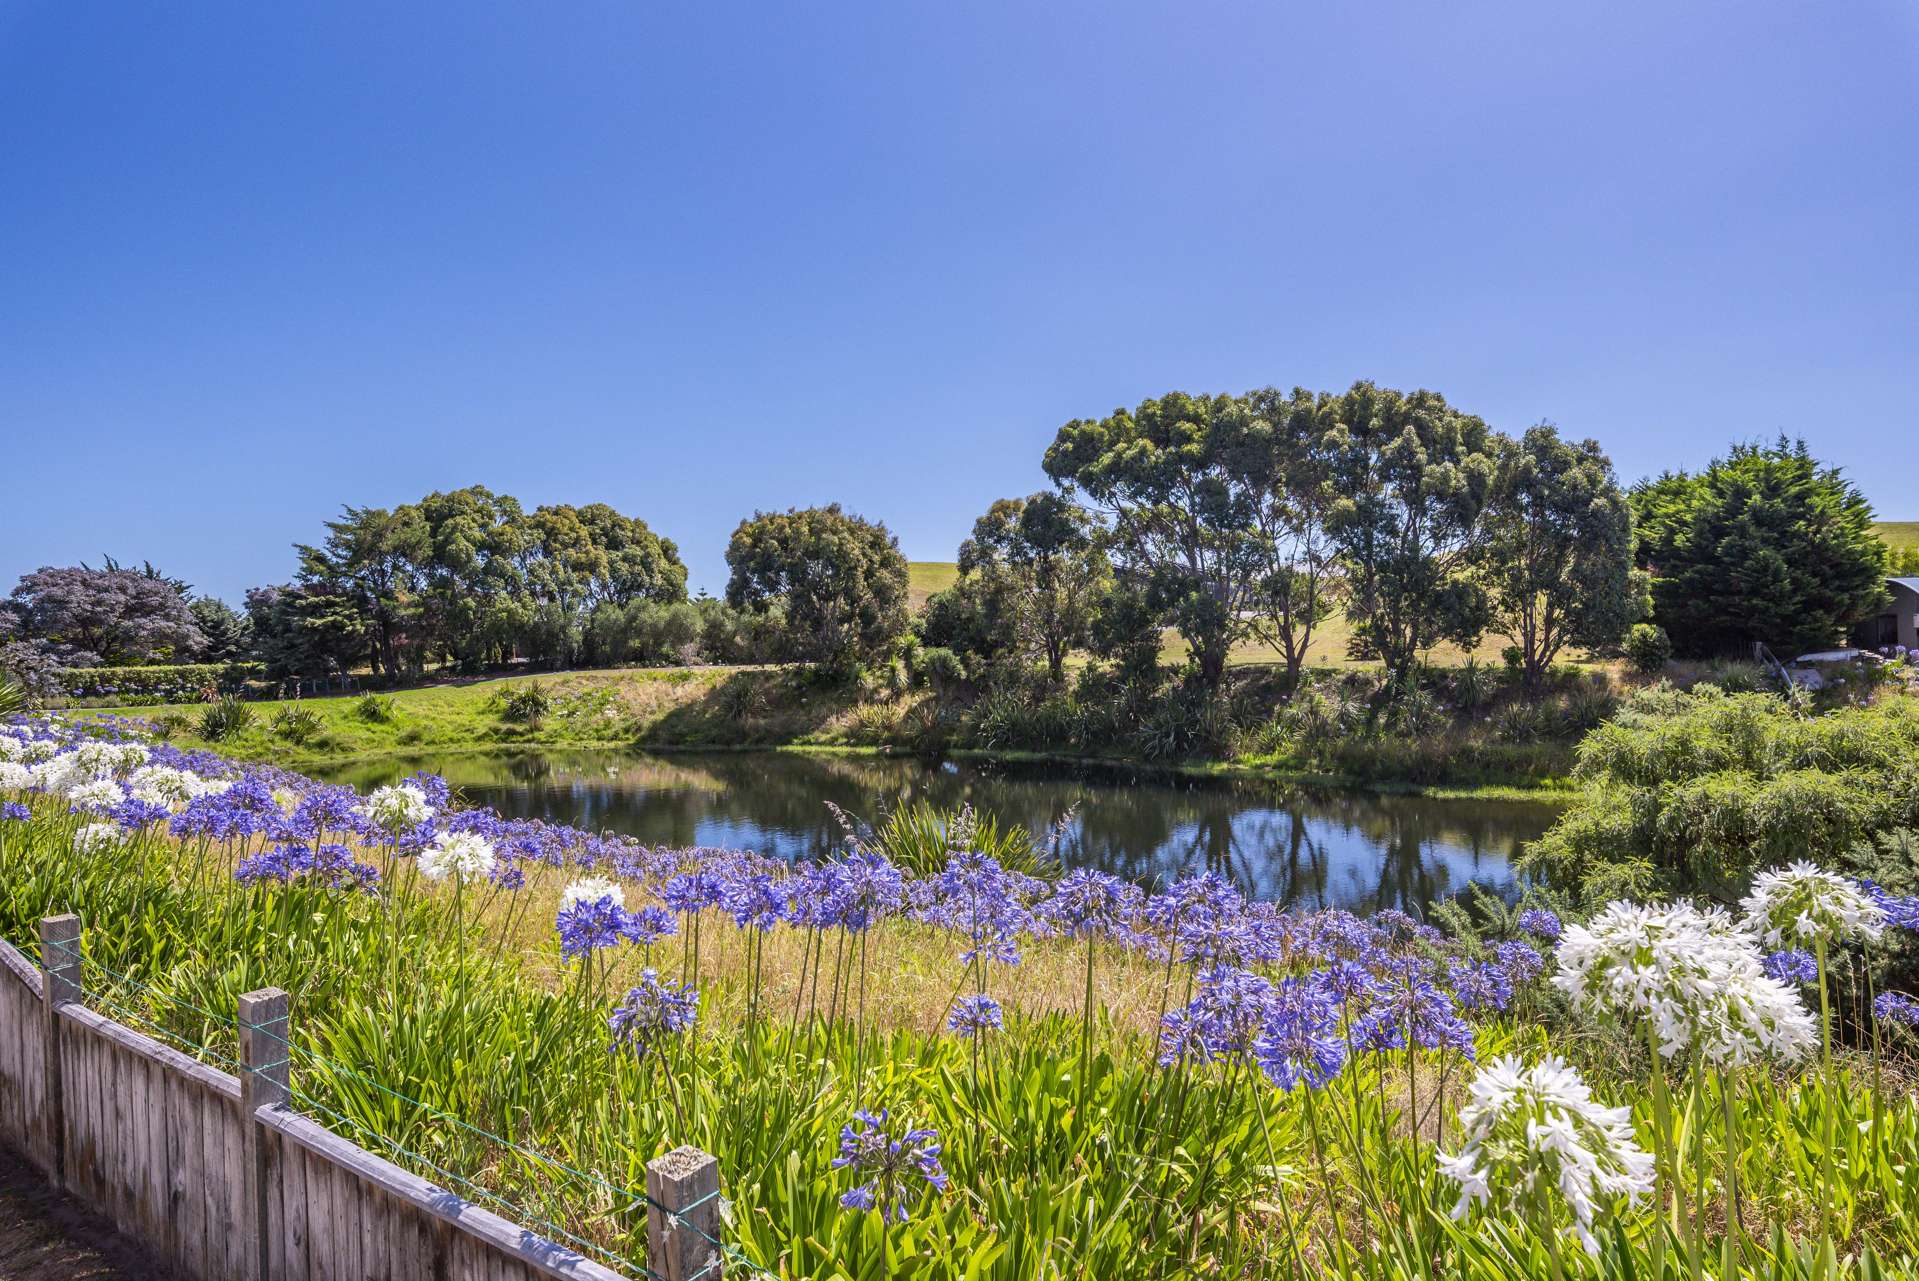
(264, 1052)
(683, 1215)
(60, 984)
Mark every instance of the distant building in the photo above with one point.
(1898, 625)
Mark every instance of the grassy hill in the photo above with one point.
(1898, 533)
(924, 577)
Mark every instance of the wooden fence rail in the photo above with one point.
(221, 1180)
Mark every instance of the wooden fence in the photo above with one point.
(221, 1180)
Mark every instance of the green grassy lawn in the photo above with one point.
(679, 707)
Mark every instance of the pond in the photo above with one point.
(1306, 849)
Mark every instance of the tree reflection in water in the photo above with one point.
(1303, 848)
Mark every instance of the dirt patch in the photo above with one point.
(45, 1236)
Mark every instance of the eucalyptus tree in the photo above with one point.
(473, 576)
(1557, 553)
(1277, 453)
(1179, 519)
(1410, 476)
(839, 581)
(1043, 556)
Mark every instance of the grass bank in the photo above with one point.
(742, 708)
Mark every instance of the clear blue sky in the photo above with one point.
(257, 260)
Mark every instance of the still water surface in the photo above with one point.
(1306, 849)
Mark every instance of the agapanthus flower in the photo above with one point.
(891, 1168)
(1299, 1040)
(1693, 976)
(397, 807)
(591, 889)
(646, 924)
(1521, 961)
(651, 1012)
(94, 837)
(975, 1014)
(331, 864)
(1803, 904)
(1902, 913)
(1091, 902)
(15, 811)
(1480, 985)
(15, 777)
(1529, 1130)
(1792, 966)
(1896, 1008)
(1407, 1008)
(588, 925)
(95, 796)
(464, 856)
(1220, 1021)
(1541, 924)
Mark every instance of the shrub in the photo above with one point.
(297, 725)
(940, 668)
(228, 718)
(526, 704)
(168, 724)
(1647, 648)
(1696, 791)
(176, 682)
(375, 709)
(920, 838)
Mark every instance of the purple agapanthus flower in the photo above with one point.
(646, 924)
(15, 811)
(1792, 966)
(1896, 1008)
(1219, 1022)
(586, 927)
(891, 1168)
(1408, 1009)
(1541, 924)
(1478, 985)
(975, 1014)
(652, 1012)
(1299, 1042)
(330, 864)
(1521, 961)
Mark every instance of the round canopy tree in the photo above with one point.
(839, 581)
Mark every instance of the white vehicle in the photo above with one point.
(1809, 671)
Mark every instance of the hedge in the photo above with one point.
(187, 679)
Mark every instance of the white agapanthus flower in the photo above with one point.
(286, 799)
(464, 856)
(56, 774)
(398, 808)
(96, 796)
(104, 760)
(95, 837)
(12, 749)
(35, 750)
(1531, 1130)
(15, 777)
(162, 785)
(1803, 904)
(591, 889)
(1694, 976)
